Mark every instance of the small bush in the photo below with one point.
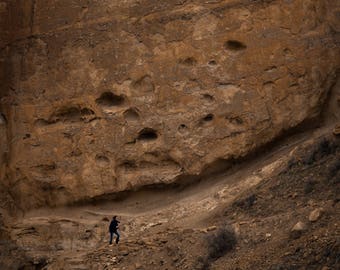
(246, 203)
(322, 149)
(220, 243)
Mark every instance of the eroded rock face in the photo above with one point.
(105, 96)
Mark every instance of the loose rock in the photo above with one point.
(315, 215)
(298, 229)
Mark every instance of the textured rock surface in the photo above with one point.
(99, 97)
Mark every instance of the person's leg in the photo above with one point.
(111, 236)
(117, 239)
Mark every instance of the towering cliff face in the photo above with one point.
(104, 96)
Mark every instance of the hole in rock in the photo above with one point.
(287, 52)
(27, 136)
(3, 120)
(147, 134)
(208, 97)
(182, 128)
(190, 61)
(208, 117)
(66, 114)
(102, 160)
(128, 164)
(212, 63)
(41, 122)
(86, 111)
(234, 45)
(131, 114)
(110, 99)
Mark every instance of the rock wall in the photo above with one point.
(104, 96)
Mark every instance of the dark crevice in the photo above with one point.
(67, 114)
(26, 136)
(208, 97)
(331, 94)
(86, 111)
(209, 117)
(110, 99)
(182, 128)
(3, 120)
(147, 134)
(234, 45)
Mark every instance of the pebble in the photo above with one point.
(315, 214)
(298, 229)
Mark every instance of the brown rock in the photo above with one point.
(315, 214)
(298, 229)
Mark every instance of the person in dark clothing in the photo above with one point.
(113, 229)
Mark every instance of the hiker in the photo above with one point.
(113, 229)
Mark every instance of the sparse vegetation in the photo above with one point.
(219, 244)
(246, 203)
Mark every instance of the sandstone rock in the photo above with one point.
(315, 214)
(112, 97)
(298, 229)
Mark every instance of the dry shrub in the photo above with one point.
(219, 243)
